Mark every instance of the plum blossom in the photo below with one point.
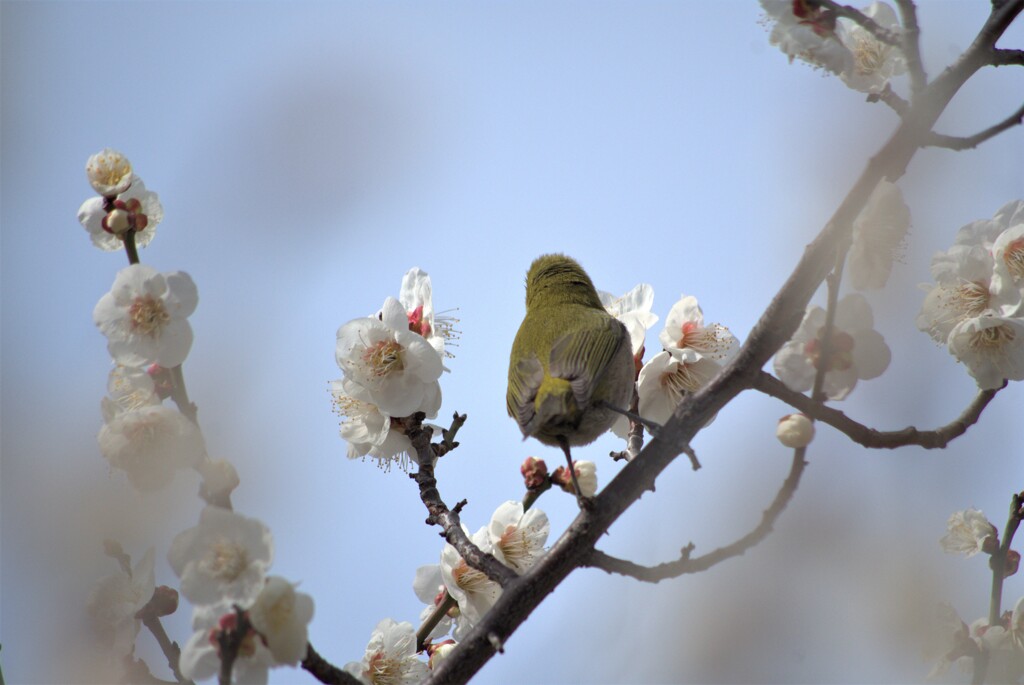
(225, 557)
(633, 309)
(397, 368)
(116, 599)
(150, 443)
(872, 63)
(369, 431)
(586, 476)
(416, 297)
(968, 532)
(107, 221)
(669, 377)
(109, 172)
(991, 347)
(517, 538)
(795, 430)
(806, 32)
(686, 335)
(281, 616)
(390, 657)
(472, 589)
(856, 350)
(200, 657)
(879, 233)
(145, 316)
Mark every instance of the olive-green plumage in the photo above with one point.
(568, 357)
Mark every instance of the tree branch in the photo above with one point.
(441, 515)
(324, 671)
(971, 142)
(880, 32)
(869, 437)
(998, 560)
(912, 45)
(778, 323)
(1003, 58)
(687, 564)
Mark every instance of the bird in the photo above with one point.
(571, 368)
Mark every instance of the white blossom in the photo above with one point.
(806, 32)
(669, 377)
(873, 63)
(795, 430)
(991, 347)
(145, 316)
(128, 388)
(369, 431)
(472, 589)
(135, 208)
(116, 599)
(856, 351)
(390, 657)
(282, 615)
(109, 172)
(586, 477)
(225, 557)
(879, 233)
(517, 538)
(150, 444)
(633, 309)
(967, 532)
(686, 334)
(417, 299)
(397, 368)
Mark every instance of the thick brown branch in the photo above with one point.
(869, 437)
(688, 564)
(324, 671)
(971, 142)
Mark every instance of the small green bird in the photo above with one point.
(570, 360)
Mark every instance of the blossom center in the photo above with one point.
(868, 55)
(468, 578)
(147, 316)
(383, 357)
(1014, 258)
(971, 298)
(680, 381)
(712, 340)
(516, 547)
(840, 357)
(384, 671)
(225, 560)
(992, 338)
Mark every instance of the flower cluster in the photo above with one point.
(222, 562)
(692, 354)
(816, 35)
(123, 204)
(145, 320)
(391, 363)
(976, 307)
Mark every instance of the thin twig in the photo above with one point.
(324, 671)
(870, 437)
(970, 142)
(998, 560)
(891, 98)
(441, 515)
(170, 648)
(1005, 58)
(687, 564)
(873, 27)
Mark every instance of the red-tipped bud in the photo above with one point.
(535, 473)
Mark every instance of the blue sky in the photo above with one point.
(308, 154)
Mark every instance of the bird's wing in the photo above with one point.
(524, 380)
(576, 354)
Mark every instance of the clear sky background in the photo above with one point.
(308, 154)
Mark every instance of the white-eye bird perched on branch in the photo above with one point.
(570, 361)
